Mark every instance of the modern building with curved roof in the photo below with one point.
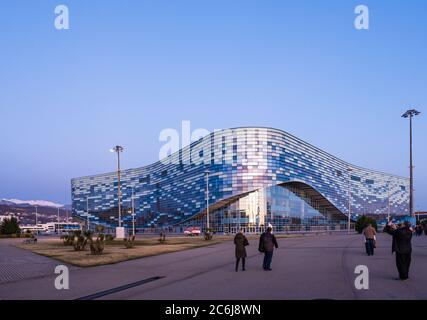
(257, 176)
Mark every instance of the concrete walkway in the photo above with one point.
(312, 267)
(18, 264)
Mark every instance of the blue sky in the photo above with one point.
(128, 69)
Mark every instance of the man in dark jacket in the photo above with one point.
(267, 243)
(402, 238)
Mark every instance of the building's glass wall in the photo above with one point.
(240, 161)
(286, 208)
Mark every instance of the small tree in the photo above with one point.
(80, 240)
(97, 246)
(10, 226)
(129, 242)
(363, 222)
(109, 238)
(209, 234)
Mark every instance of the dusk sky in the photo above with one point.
(126, 70)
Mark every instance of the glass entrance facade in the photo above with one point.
(287, 208)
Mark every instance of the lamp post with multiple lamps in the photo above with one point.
(120, 230)
(410, 114)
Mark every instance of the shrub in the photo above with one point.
(79, 243)
(129, 242)
(209, 234)
(363, 222)
(68, 239)
(80, 240)
(109, 238)
(97, 246)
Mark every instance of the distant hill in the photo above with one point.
(24, 210)
(27, 203)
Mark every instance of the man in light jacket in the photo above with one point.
(370, 234)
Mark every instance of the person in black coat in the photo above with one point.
(267, 243)
(240, 242)
(402, 245)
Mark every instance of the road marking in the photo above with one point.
(118, 289)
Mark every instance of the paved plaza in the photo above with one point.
(311, 267)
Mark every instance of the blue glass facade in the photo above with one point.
(257, 176)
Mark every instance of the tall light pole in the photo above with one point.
(133, 214)
(349, 170)
(37, 229)
(87, 214)
(118, 149)
(409, 114)
(58, 221)
(389, 207)
(207, 199)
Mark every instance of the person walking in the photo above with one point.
(240, 241)
(402, 238)
(419, 230)
(370, 237)
(267, 243)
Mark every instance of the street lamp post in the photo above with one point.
(58, 221)
(389, 207)
(87, 214)
(207, 199)
(409, 114)
(349, 170)
(87, 211)
(37, 229)
(119, 231)
(133, 214)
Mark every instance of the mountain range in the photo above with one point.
(33, 203)
(24, 210)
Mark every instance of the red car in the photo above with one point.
(192, 231)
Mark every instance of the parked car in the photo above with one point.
(192, 231)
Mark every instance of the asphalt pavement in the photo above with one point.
(311, 267)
